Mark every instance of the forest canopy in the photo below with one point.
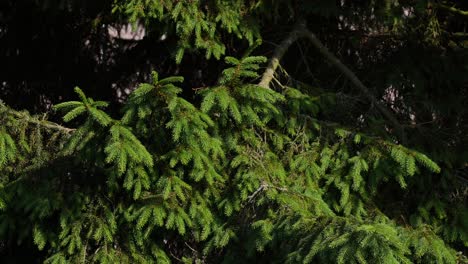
(233, 131)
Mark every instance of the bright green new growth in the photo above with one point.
(196, 26)
(171, 171)
(245, 171)
(308, 171)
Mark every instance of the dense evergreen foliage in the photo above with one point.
(235, 131)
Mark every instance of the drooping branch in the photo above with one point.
(277, 55)
(452, 9)
(355, 80)
(300, 31)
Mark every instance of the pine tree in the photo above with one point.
(257, 166)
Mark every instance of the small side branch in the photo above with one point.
(263, 187)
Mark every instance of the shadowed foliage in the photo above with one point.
(278, 131)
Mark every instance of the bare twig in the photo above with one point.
(262, 187)
(191, 248)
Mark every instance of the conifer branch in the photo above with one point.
(355, 80)
(43, 123)
(277, 55)
(300, 30)
(262, 187)
(452, 9)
